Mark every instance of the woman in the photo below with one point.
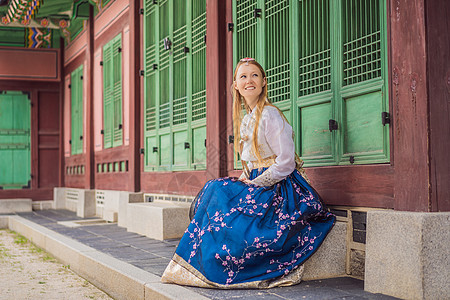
(255, 231)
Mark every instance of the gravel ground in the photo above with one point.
(28, 272)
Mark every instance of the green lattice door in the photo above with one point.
(15, 164)
(326, 69)
(76, 99)
(175, 88)
(112, 93)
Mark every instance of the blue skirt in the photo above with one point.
(242, 233)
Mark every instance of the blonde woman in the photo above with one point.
(255, 231)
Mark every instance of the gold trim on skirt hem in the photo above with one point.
(180, 272)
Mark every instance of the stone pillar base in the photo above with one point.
(407, 254)
(59, 198)
(159, 220)
(10, 206)
(329, 260)
(124, 199)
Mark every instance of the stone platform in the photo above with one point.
(129, 266)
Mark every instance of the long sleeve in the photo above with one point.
(278, 135)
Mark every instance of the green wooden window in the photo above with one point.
(15, 161)
(175, 85)
(326, 64)
(112, 93)
(76, 99)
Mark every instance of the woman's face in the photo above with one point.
(249, 82)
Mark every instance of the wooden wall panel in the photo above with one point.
(109, 16)
(48, 139)
(75, 48)
(74, 180)
(98, 101)
(438, 69)
(112, 179)
(179, 183)
(29, 64)
(363, 185)
(67, 117)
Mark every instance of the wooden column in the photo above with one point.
(438, 71)
(216, 71)
(420, 108)
(34, 138)
(135, 88)
(228, 96)
(61, 171)
(89, 82)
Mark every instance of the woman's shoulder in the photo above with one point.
(271, 111)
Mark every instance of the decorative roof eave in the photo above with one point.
(22, 10)
(53, 23)
(30, 14)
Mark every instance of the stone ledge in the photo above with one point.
(4, 222)
(329, 260)
(8, 206)
(117, 278)
(42, 205)
(407, 254)
(159, 219)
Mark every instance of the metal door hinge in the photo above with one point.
(70, 86)
(141, 72)
(230, 139)
(119, 49)
(142, 151)
(257, 13)
(70, 142)
(155, 149)
(204, 38)
(332, 125)
(186, 49)
(102, 131)
(120, 126)
(205, 142)
(155, 66)
(81, 77)
(155, 2)
(352, 159)
(167, 43)
(385, 118)
(230, 26)
(101, 63)
(141, 11)
(81, 137)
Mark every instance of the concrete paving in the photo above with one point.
(137, 262)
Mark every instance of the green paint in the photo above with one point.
(112, 91)
(77, 115)
(15, 159)
(175, 83)
(324, 60)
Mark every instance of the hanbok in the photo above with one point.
(253, 235)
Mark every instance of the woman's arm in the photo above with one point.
(278, 134)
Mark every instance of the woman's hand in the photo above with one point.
(247, 181)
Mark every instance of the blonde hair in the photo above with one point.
(239, 101)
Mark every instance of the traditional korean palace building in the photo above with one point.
(110, 104)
